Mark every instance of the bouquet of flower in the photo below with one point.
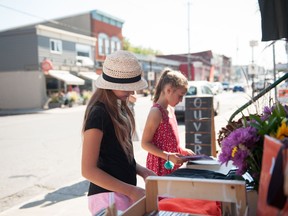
(242, 141)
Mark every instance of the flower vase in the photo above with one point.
(71, 103)
(52, 105)
(254, 184)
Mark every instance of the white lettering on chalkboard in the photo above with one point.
(197, 102)
(199, 112)
(197, 115)
(196, 138)
(197, 149)
(197, 126)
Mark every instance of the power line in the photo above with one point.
(47, 20)
(28, 14)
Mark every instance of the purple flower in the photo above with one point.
(244, 146)
(237, 146)
(266, 113)
(286, 109)
(267, 110)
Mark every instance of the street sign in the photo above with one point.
(151, 75)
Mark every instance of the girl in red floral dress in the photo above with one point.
(160, 136)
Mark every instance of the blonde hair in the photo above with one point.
(168, 76)
(122, 118)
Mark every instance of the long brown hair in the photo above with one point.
(122, 118)
(168, 76)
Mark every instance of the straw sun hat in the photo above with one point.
(121, 71)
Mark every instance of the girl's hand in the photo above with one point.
(187, 152)
(176, 159)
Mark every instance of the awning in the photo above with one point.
(66, 77)
(89, 75)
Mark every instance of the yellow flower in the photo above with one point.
(234, 151)
(282, 131)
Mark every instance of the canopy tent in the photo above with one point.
(89, 75)
(66, 77)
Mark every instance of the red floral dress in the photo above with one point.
(165, 138)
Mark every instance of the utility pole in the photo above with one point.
(253, 43)
(286, 48)
(274, 70)
(188, 55)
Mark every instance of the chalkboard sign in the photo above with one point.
(199, 124)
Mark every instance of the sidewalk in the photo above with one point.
(66, 201)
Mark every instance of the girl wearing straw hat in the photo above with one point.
(107, 155)
(160, 136)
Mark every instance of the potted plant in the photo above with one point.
(72, 98)
(86, 95)
(242, 141)
(55, 100)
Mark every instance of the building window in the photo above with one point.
(107, 47)
(83, 50)
(84, 56)
(55, 46)
(107, 19)
(115, 44)
(103, 44)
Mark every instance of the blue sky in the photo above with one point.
(223, 26)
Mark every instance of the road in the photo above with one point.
(41, 152)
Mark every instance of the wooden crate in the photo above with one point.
(232, 194)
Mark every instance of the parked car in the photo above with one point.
(238, 88)
(260, 85)
(217, 87)
(226, 86)
(201, 89)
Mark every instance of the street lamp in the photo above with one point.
(253, 43)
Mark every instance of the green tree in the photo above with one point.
(139, 49)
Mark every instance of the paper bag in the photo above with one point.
(271, 149)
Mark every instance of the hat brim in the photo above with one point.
(135, 86)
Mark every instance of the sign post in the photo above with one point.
(151, 77)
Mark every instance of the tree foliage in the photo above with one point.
(139, 49)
